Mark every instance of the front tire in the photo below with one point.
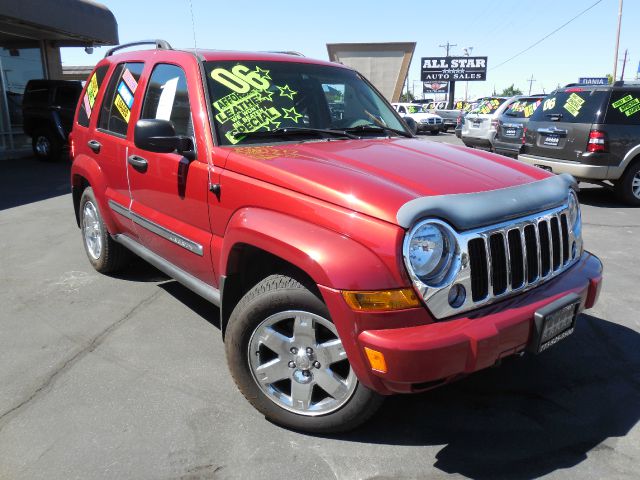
(103, 252)
(286, 358)
(46, 145)
(628, 187)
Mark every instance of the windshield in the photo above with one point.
(414, 108)
(523, 108)
(252, 96)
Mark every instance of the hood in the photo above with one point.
(419, 115)
(376, 177)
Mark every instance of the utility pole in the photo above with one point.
(467, 53)
(531, 80)
(624, 63)
(452, 84)
(615, 58)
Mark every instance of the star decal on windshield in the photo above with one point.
(266, 95)
(291, 114)
(286, 92)
(263, 73)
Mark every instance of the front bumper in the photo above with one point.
(430, 127)
(420, 356)
(577, 169)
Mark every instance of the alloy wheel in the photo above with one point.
(299, 363)
(92, 230)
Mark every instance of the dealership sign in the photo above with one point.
(594, 81)
(435, 87)
(446, 69)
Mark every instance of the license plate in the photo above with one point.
(554, 322)
(551, 140)
(509, 132)
(475, 125)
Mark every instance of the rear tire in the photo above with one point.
(627, 188)
(281, 332)
(46, 145)
(103, 252)
(434, 132)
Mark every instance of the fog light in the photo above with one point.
(376, 360)
(457, 295)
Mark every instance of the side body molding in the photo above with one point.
(473, 210)
(329, 258)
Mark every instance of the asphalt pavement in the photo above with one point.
(105, 377)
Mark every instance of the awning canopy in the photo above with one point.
(67, 22)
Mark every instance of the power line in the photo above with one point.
(547, 36)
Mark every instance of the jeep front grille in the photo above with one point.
(502, 260)
(511, 258)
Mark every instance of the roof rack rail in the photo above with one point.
(160, 44)
(621, 83)
(288, 52)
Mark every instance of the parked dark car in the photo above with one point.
(48, 107)
(591, 132)
(511, 125)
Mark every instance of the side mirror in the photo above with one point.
(412, 124)
(159, 136)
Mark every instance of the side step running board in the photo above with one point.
(206, 291)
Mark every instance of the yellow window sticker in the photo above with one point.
(573, 104)
(122, 108)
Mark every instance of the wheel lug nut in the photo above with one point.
(316, 364)
(294, 350)
(292, 365)
(309, 350)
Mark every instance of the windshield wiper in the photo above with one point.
(378, 129)
(290, 131)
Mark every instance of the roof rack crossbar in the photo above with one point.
(160, 44)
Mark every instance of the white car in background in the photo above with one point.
(426, 122)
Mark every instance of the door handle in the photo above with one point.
(138, 163)
(94, 145)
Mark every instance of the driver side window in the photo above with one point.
(167, 98)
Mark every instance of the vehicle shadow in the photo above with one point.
(528, 418)
(597, 196)
(27, 180)
(205, 309)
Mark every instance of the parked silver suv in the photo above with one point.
(479, 127)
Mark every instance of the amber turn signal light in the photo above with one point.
(381, 299)
(376, 360)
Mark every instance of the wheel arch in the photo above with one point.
(260, 242)
(85, 172)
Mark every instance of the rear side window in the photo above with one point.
(36, 94)
(89, 98)
(118, 99)
(523, 108)
(167, 98)
(488, 106)
(624, 108)
(66, 96)
(573, 106)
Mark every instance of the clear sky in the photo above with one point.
(497, 29)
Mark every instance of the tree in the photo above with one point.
(407, 97)
(511, 91)
(609, 78)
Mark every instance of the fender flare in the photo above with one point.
(326, 256)
(87, 168)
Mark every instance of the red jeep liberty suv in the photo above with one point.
(349, 260)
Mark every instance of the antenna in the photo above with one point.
(193, 28)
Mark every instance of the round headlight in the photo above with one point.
(430, 250)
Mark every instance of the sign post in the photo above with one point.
(453, 69)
